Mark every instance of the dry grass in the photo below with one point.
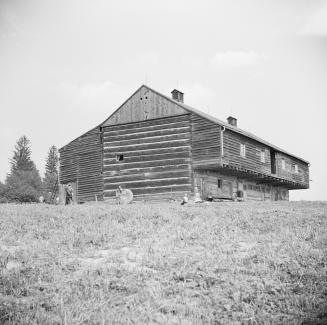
(221, 263)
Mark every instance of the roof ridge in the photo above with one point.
(200, 113)
(228, 126)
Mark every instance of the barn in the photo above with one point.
(160, 149)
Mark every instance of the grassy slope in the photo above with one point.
(223, 263)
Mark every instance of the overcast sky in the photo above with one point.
(65, 66)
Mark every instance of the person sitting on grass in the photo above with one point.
(185, 199)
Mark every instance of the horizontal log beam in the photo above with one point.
(145, 140)
(137, 184)
(107, 136)
(153, 190)
(144, 176)
(149, 169)
(154, 145)
(161, 123)
(143, 164)
(145, 158)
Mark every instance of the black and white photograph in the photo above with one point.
(163, 162)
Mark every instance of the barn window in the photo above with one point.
(283, 164)
(242, 149)
(219, 183)
(119, 157)
(296, 169)
(262, 156)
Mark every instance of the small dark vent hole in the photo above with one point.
(120, 157)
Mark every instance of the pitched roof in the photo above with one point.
(227, 126)
(204, 115)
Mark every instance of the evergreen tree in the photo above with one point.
(22, 156)
(51, 172)
(24, 183)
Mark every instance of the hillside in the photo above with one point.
(219, 263)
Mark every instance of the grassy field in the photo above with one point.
(218, 263)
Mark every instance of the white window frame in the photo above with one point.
(296, 169)
(242, 150)
(283, 164)
(262, 156)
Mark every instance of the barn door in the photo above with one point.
(200, 186)
(227, 189)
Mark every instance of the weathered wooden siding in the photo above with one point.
(156, 158)
(206, 182)
(166, 147)
(205, 142)
(289, 172)
(81, 163)
(253, 148)
(145, 104)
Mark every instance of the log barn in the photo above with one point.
(160, 148)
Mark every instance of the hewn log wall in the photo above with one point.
(81, 163)
(207, 183)
(302, 176)
(252, 160)
(205, 142)
(156, 158)
(253, 150)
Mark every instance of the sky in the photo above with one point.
(65, 66)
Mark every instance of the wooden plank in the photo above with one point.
(154, 163)
(153, 190)
(155, 151)
(205, 142)
(148, 139)
(108, 132)
(252, 161)
(143, 176)
(154, 145)
(81, 162)
(137, 184)
(149, 169)
(156, 156)
(143, 158)
(145, 132)
(137, 109)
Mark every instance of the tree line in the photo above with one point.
(24, 183)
